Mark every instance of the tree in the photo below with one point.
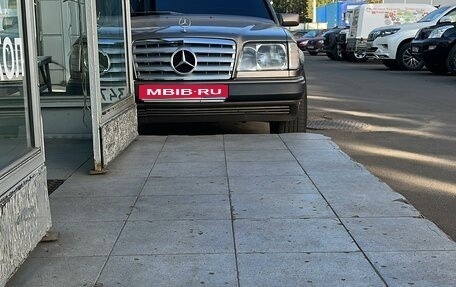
(291, 6)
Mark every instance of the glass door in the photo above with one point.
(114, 118)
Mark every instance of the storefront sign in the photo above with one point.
(11, 65)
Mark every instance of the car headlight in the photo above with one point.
(264, 57)
(438, 32)
(388, 32)
(79, 60)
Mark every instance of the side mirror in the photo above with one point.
(446, 19)
(288, 20)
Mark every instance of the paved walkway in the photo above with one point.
(236, 210)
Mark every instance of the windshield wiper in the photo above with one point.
(147, 13)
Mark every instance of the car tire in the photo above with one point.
(330, 55)
(339, 54)
(357, 57)
(391, 64)
(451, 61)
(313, 53)
(298, 125)
(437, 69)
(405, 59)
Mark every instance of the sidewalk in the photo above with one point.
(236, 210)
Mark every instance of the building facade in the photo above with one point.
(54, 60)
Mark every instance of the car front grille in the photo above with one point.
(214, 58)
(115, 50)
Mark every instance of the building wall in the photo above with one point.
(24, 219)
(118, 133)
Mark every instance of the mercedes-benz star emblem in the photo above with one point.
(183, 61)
(185, 23)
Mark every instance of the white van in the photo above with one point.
(367, 17)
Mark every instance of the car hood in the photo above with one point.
(214, 26)
(407, 26)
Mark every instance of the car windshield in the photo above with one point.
(252, 8)
(433, 15)
(311, 34)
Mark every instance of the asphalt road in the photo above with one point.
(399, 125)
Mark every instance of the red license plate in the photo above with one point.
(184, 92)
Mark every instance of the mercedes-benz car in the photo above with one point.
(230, 60)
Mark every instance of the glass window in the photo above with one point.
(253, 8)
(112, 52)
(15, 123)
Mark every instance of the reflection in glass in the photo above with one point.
(15, 139)
(111, 46)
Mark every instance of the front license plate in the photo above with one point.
(310, 47)
(184, 92)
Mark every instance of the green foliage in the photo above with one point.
(291, 6)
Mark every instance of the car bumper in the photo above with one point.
(272, 100)
(379, 48)
(432, 51)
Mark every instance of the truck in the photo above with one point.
(334, 14)
(367, 17)
(392, 45)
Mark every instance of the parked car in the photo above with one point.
(201, 61)
(436, 46)
(392, 44)
(299, 33)
(368, 17)
(331, 43)
(315, 45)
(206, 61)
(302, 42)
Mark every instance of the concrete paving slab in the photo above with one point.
(96, 186)
(418, 268)
(80, 239)
(370, 204)
(311, 156)
(168, 207)
(84, 209)
(191, 156)
(271, 184)
(398, 234)
(134, 163)
(58, 272)
(342, 182)
(259, 155)
(276, 168)
(189, 169)
(292, 235)
(316, 146)
(186, 185)
(194, 143)
(253, 142)
(307, 269)
(175, 237)
(302, 136)
(266, 206)
(170, 270)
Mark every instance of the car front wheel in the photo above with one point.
(451, 61)
(298, 125)
(405, 59)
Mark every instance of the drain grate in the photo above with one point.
(328, 124)
(53, 184)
